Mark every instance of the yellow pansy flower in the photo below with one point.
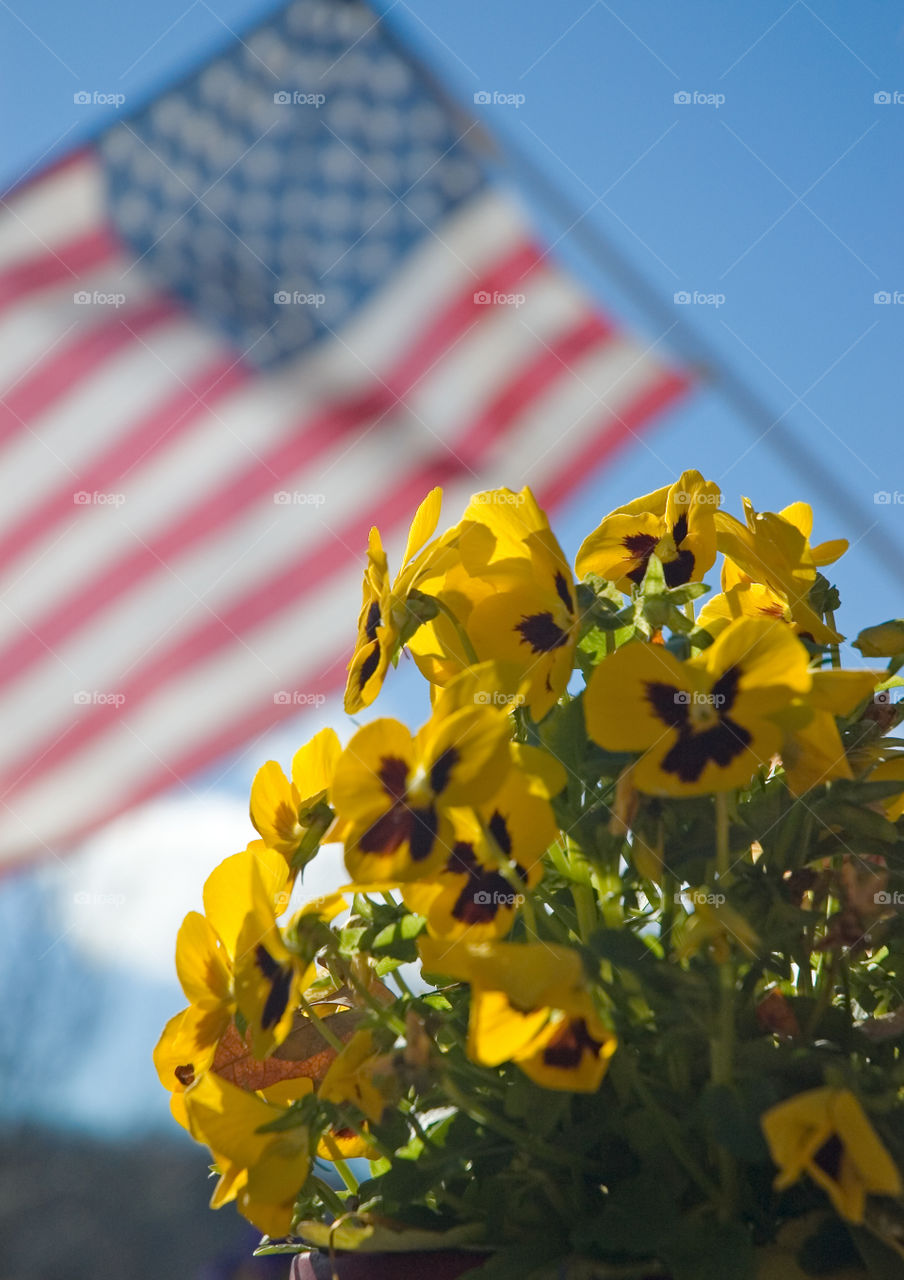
(826, 1134)
(529, 1005)
(383, 607)
(716, 926)
(394, 789)
(813, 752)
(281, 811)
(206, 947)
(507, 583)
(773, 548)
(355, 1076)
(270, 974)
(741, 598)
(703, 725)
(675, 523)
(262, 1172)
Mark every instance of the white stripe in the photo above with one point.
(199, 703)
(49, 212)
(221, 570)
(33, 326)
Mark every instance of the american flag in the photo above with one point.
(271, 308)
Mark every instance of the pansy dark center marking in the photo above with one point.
(280, 980)
(185, 1074)
(569, 1044)
(393, 775)
(828, 1157)
(701, 738)
(640, 546)
(373, 620)
(539, 630)
(669, 704)
(498, 828)
(484, 892)
(369, 665)
(441, 769)
(399, 824)
(563, 592)
(680, 569)
(424, 826)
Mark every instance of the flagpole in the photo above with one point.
(696, 351)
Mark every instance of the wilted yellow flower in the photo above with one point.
(826, 1134)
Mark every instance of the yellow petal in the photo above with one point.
(202, 965)
(314, 764)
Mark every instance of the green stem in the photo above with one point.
(467, 647)
(673, 1138)
(514, 1133)
(585, 906)
(722, 1046)
(329, 1036)
(723, 850)
(342, 1168)
(326, 1193)
(834, 651)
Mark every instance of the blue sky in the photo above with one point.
(784, 198)
(774, 195)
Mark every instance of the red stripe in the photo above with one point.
(300, 447)
(301, 578)
(331, 676)
(445, 331)
(66, 368)
(68, 261)
(159, 428)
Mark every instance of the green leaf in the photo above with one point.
(622, 948)
(855, 821)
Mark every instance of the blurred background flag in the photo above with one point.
(271, 308)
